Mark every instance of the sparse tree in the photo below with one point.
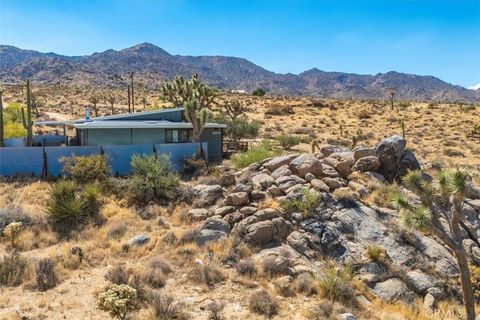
(392, 96)
(234, 109)
(438, 209)
(112, 99)
(197, 98)
(94, 99)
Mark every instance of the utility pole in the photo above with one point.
(133, 100)
(128, 98)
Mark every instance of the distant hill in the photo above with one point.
(154, 65)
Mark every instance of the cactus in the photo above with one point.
(402, 124)
(27, 120)
(341, 130)
(392, 95)
(2, 139)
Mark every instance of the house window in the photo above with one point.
(178, 135)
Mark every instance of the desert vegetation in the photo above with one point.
(274, 231)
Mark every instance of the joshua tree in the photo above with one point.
(111, 99)
(234, 109)
(128, 99)
(144, 101)
(392, 95)
(438, 209)
(196, 96)
(27, 120)
(94, 99)
(1, 119)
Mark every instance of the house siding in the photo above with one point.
(214, 139)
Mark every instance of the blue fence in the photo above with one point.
(45, 161)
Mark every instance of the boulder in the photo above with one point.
(216, 224)
(262, 181)
(391, 290)
(233, 218)
(306, 163)
(277, 162)
(347, 316)
(227, 179)
(362, 152)
(138, 240)
(374, 176)
(389, 152)
(344, 156)
(275, 191)
(280, 172)
(429, 303)
(287, 185)
(197, 214)
(309, 177)
(369, 163)
(421, 282)
(329, 171)
(344, 168)
(248, 211)
(319, 185)
(328, 149)
(242, 188)
(223, 211)
(268, 231)
(237, 199)
(407, 162)
(206, 235)
(333, 183)
(267, 214)
(259, 195)
(300, 242)
(208, 194)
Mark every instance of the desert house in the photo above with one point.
(119, 137)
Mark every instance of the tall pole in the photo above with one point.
(1, 119)
(128, 98)
(133, 99)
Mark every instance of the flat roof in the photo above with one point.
(142, 125)
(136, 114)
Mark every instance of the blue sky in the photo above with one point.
(437, 37)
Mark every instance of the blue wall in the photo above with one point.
(23, 161)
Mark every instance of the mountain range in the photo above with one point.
(153, 65)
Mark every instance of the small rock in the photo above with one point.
(280, 172)
(306, 163)
(362, 152)
(277, 162)
(275, 191)
(333, 183)
(309, 177)
(199, 214)
(138, 240)
(206, 235)
(248, 211)
(347, 316)
(262, 181)
(242, 188)
(222, 211)
(429, 303)
(319, 185)
(216, 224)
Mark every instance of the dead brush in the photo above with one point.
(46, 276)
(207, 273)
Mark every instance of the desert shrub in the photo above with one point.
(262, 302)
(165, 308)
(170, 238)
(242, 128)
(12, 232)
(188, 236)
(284, 287)
(46, 276)
(14, 130)
(117, 300)
(257, 153)
(271, 268)
(305, 203)
(287, 141)
(9, 215)
(279, 110)
(159, 263)
(375, 253)
(345, 196)
(258, 92)
(215, 308)
(207, 273)
(382, 194)
(117, 275)
(323, 310)
(154, 278)
(194, 166)
(364, 114)
(69, 206)
(336, 284)
(84, 169)
(152, 179)
(117, 231)
(13, 270)
(246, 268)
(305, 283)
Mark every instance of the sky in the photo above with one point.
(435, 37)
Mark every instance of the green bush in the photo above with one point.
(258, 92)
(117, 300)
(84, 169)
(306, 203)
(287, 141)
(257, 153)
(152, 180)
(69, 206)
(241, 128)
(336, 284)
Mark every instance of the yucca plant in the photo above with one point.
(335, 284)
(437, 201)
(375, 253)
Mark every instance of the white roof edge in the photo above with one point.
(143, 124)
(126, 115)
